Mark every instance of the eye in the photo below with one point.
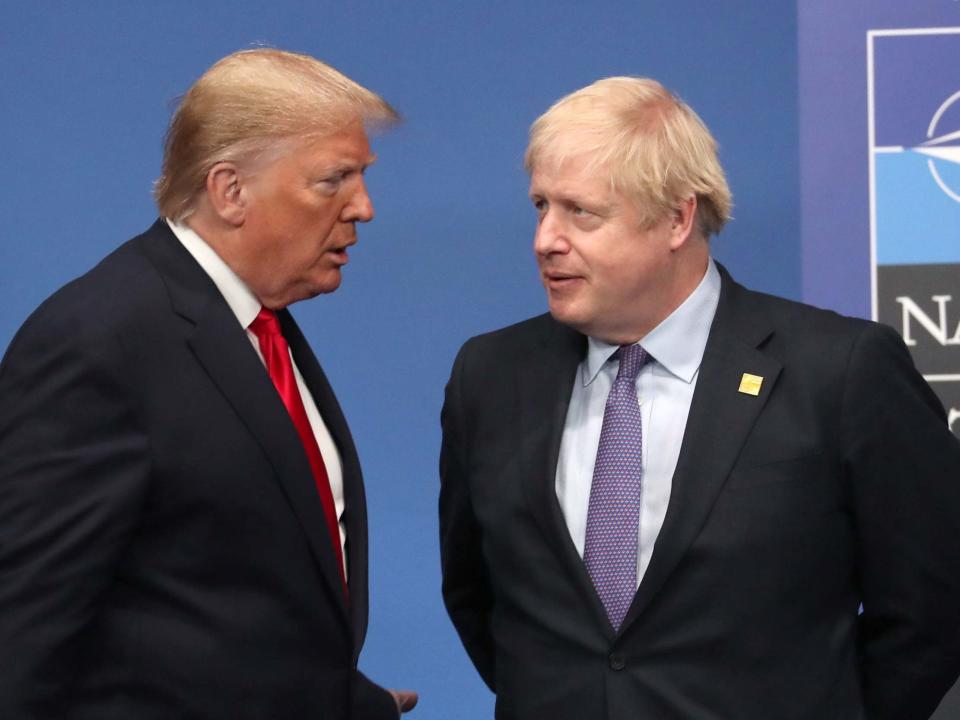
(331, 184)
(579, 211)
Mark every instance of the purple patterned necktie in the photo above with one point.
(613, 515)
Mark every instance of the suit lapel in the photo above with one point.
(543, 396)
(718, 424)
(545, 382)
(223, 349)
(355, 517)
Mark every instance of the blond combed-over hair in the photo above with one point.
(652, 145)
(249, 103)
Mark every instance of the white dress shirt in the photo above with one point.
(664, 389)
(245, 306)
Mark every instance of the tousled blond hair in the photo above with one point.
(249, 103)
(652, 145)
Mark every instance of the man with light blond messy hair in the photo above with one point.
(675, 498)
(182, 517)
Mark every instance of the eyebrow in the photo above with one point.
(345, 166)
(568, 199)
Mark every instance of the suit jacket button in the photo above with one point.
(617, 661)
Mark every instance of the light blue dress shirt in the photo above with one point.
(664, 389)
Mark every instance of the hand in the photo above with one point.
(406, 699)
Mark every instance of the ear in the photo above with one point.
(225, 193)
(683, 222)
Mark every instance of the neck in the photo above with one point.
(688, 275)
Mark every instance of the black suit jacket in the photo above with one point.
(839, 484)
(163, 550)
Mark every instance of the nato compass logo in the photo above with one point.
(914, 125)
(943, 150)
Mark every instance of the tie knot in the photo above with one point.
(632, 358)
(265, 323)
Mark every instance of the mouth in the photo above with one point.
(339, 255)
(557, 280)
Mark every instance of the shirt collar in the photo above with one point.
(242, 302)
(678, 342)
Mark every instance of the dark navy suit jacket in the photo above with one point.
(838, 484)
(163, 550)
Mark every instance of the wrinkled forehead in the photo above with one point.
(347, 142)
(571, 165)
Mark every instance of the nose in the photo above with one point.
(360, 207)
(550, 236)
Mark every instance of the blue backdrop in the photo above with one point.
(87, 91)
(834, 137)
(909, 62)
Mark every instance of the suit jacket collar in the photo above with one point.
(718, 424)
(222, 347)
(235, 292)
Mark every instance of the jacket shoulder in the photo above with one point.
(803, 321)
(519, 338)
(108, 299)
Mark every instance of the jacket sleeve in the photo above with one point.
(466, 589)
(73, 473)
(369, 701)
(903, 466)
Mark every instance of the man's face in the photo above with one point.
(300, 212)
(604, 275)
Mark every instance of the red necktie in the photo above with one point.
(276, 354)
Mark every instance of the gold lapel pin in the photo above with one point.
(750, 384)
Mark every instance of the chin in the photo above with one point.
(325, 285)
(306, 293)
(567, 315)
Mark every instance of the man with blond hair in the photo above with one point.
(182, 515)
(677, 499)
